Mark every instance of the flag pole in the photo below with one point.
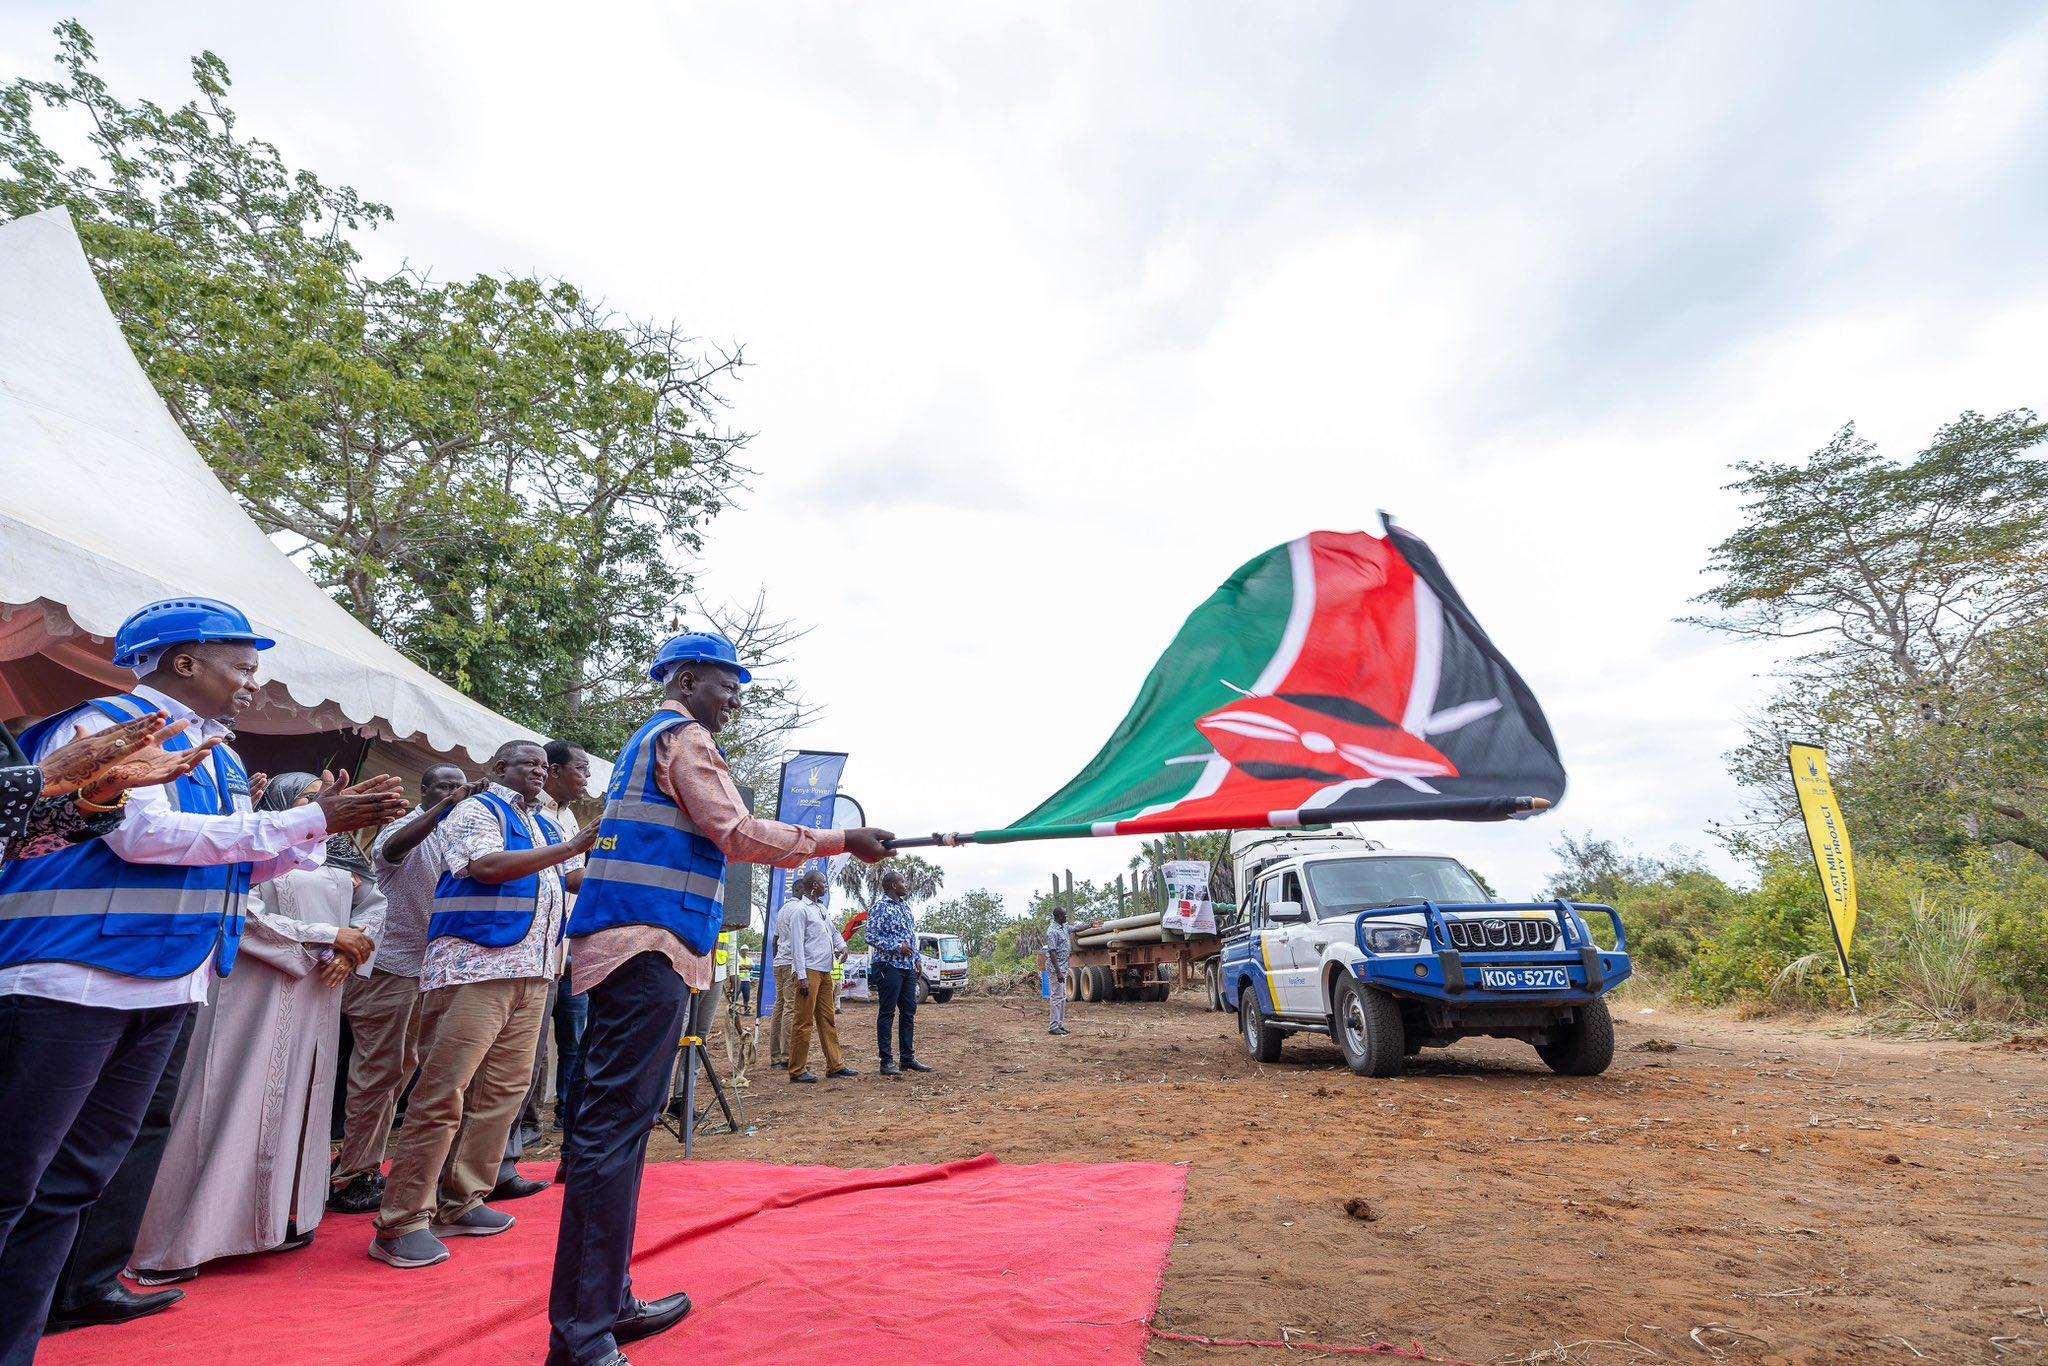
(1465, 809)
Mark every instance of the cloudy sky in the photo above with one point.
(1059, 313)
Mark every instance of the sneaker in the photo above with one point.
(409, 1250)
(360, 1194)
(481, 1222)
(171, 1275)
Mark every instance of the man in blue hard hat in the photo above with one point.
(645, 927)
(107, 948)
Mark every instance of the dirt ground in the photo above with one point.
(1749, 1191)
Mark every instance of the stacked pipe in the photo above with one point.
(1130, 929)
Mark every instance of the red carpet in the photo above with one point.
(971, 1261)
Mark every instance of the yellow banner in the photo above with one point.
(1829, 835)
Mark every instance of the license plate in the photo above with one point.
(1524, 979)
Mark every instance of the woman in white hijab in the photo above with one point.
(245, 1168)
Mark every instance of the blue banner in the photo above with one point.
(810, 783)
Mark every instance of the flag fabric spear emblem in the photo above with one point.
(1337, 677)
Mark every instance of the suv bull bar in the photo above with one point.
(1445, 971)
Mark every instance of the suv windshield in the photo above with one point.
(1346, 885)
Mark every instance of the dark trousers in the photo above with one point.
(75, 1082)
(896, 993)
(571, 1014)
(107, 1231)
(629, 1052)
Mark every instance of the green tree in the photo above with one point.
(978, 917)
(863, 881)
(1922, 586)
(498, 475)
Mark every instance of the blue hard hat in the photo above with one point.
(182, 621)
(697, 647)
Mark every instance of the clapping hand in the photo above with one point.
(374, 801)
(84, 758)
(146, 765)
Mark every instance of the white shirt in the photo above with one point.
(811, 936)
(154, 831)
(408, 888)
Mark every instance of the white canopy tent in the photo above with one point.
(108, 506)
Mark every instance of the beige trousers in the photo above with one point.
(815, 1012)
(383, 1012)
(778, 1027)
(476, 1061)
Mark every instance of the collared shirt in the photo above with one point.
(1059, 944)
(892, 930)
(812, 939)
(566, 822)
(691, 772)
(470, 832)
(408, 888)
(154, 831)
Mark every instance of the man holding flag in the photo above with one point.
(645, 924)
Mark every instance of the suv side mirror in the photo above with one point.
(1287, 913)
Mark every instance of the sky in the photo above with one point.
(1056, 314)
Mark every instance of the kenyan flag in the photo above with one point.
(1337, 677)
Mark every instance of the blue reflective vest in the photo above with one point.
(651, 865)
(87, 905)
(495, 915)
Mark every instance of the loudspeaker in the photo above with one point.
(739, 881)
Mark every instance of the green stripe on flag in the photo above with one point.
(1229, 639)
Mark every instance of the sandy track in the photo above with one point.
(1827, 1198)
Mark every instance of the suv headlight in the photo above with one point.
(1394, 939)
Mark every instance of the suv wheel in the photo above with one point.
(1586, 1046)
(1368, 1029)
(1262, 1043)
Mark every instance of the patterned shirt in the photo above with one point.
(892, 930)
(470, 832)
(1059, 943)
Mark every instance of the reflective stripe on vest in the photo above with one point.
(651, 865)
(492, 915)
(87, 905)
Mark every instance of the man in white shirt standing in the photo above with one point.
(814, 944)
(383, 1009)
(106, 948)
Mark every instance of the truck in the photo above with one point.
(941, 970)
(1125, 959)
(1389, 952)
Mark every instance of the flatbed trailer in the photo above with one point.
(1136, 972)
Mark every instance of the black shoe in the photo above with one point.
(890, 1069)
(651, 1316)
(117, 1305)
(811, 1077)
(294, 1240)
(842, 1072)
(518, 1188)
(361, 1195)
(913, 1065)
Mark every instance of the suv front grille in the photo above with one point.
(1503, 932)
